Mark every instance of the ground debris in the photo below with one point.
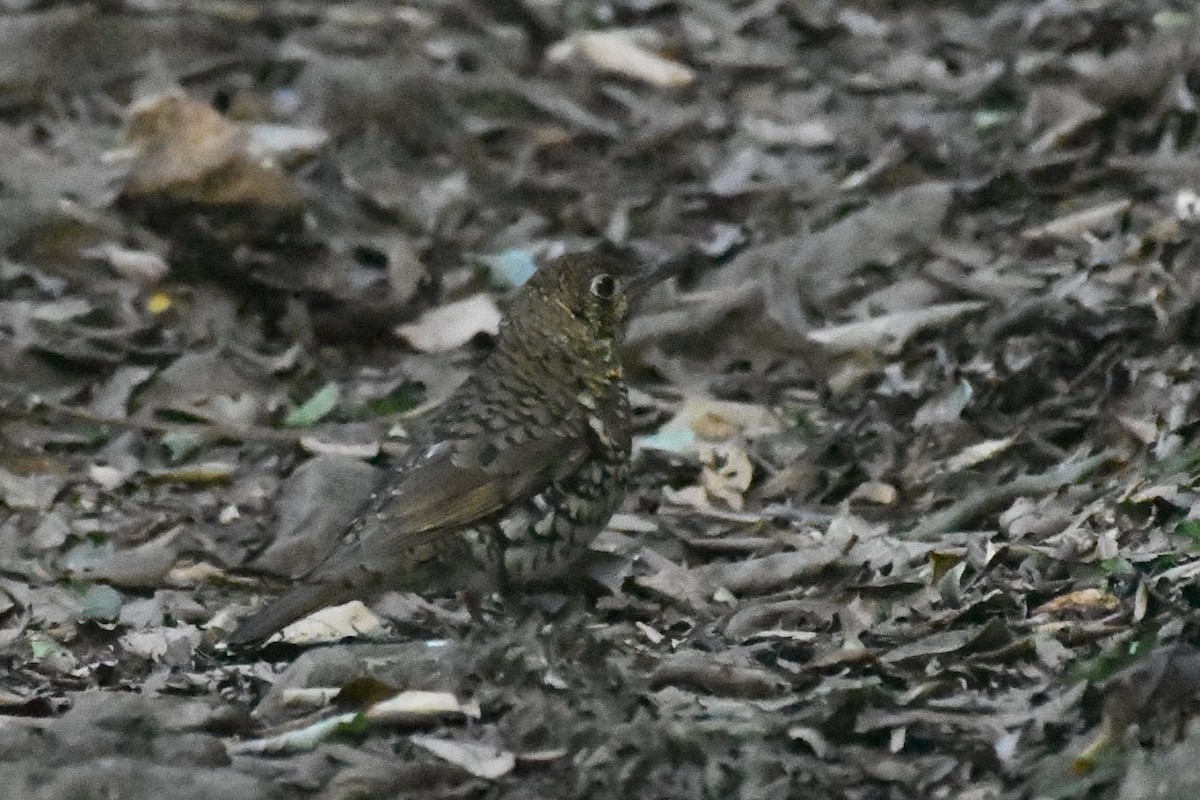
(914, 508)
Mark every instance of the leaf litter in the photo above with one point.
(915, 509)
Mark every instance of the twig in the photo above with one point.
(982, 501)
(255, 433)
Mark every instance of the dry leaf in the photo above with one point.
(333, 624)
(453, 324)
(624, 52)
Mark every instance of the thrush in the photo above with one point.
(514, 475)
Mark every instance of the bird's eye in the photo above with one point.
(604, 286)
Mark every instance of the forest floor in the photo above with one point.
(914, 512)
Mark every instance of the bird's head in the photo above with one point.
(586, 292)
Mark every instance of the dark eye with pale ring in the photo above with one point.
(604, 286)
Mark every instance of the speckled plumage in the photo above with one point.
(514, 475)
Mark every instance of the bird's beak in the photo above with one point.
(638, 284)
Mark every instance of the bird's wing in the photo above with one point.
(401, 541)
(401, 536)
(405, 540)
(455, 483)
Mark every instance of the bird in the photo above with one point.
(515, 474)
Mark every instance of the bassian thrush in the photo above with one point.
(515, 474)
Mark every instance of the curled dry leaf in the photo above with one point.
(701, 420)
(481, 760)
(1083, 603)
(298, 741)
(201, 473)
(1075, 224)
(887, 334)
(944, 408)
(877, 492)
(271, 140)
(333, 624)
(625, 52)
(978, 453)
(202, 572)
(143, 267)
(363, 451)
(411, 707)
(405, 708)
(453, 325)
(723, 677)
(308, 697)
(726, 474)
(106, 477)
(801, 133)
